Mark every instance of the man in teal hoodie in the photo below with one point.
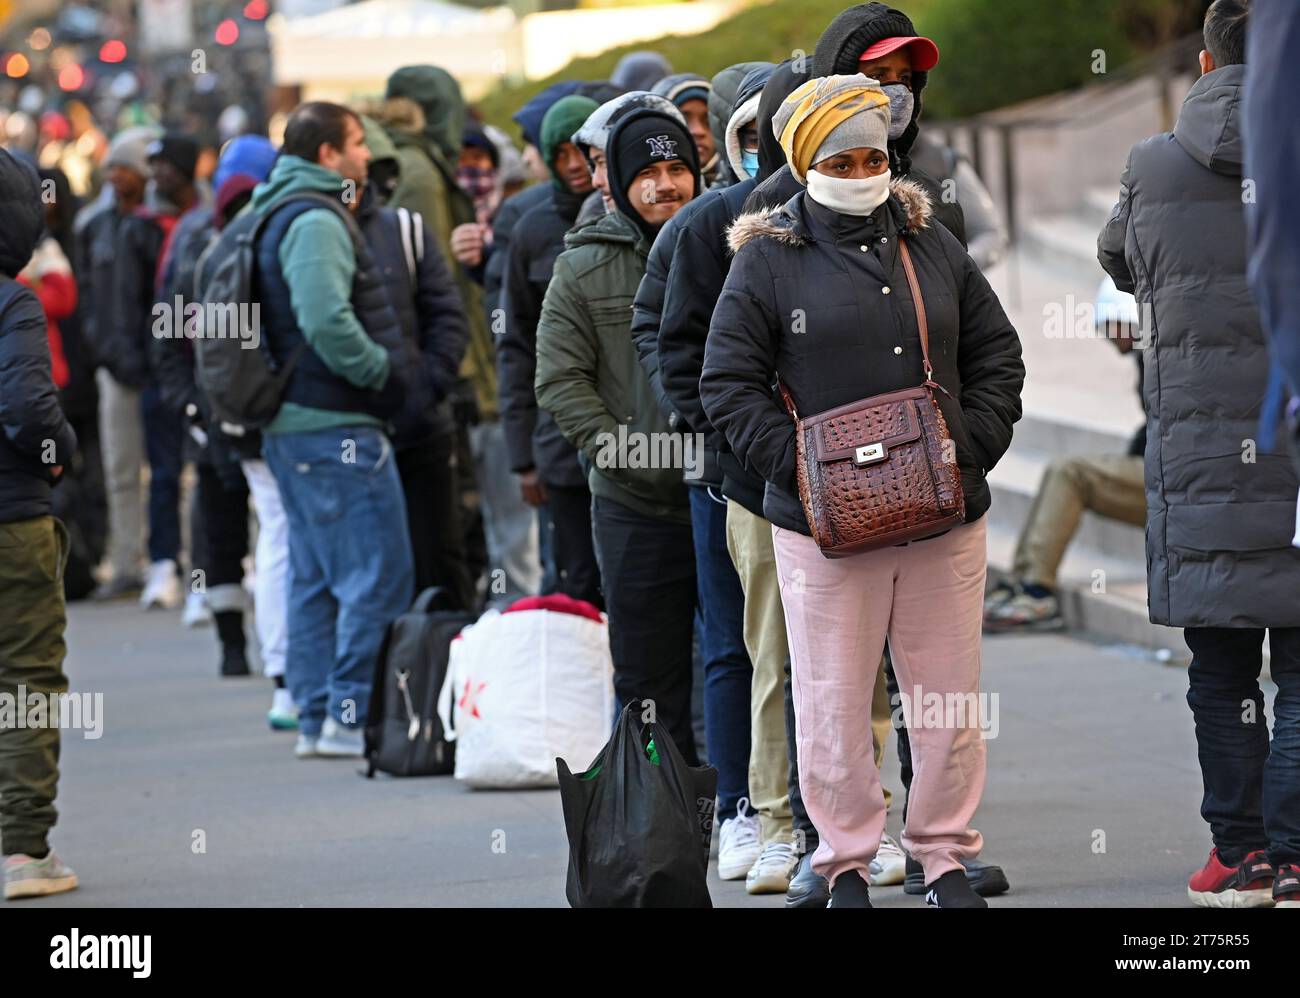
(324, 310)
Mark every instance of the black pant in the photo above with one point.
(568, 516)
(432, 489)
(1252, 789)
(223, 501)
(647, 570)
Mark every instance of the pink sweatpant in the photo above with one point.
(927, 598)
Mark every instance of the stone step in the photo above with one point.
(1097, 204)
(1066, 243)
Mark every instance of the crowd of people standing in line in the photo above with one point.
(462, 355)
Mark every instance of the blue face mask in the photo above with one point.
(749, 160)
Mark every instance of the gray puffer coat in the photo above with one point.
(1220, 517)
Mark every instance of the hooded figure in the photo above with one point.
(589, 380)
(545, 463)
(424, 115)
(640, 70)
(36, 444)
(28, 399)
(722, 100)
(839, 51)
(594, 134)
(1219, 548)
(744, 113)
(690, 92)
(833, 256)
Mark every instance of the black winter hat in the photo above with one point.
(841, 46)
(179, 150)
(641, 139)
(22, 216)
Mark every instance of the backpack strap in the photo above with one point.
(411, 227)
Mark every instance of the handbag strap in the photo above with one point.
(919, 304)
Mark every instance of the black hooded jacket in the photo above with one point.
(684, 276)
(858, 337)
(837, 53)
(532, 438)
(34, 434)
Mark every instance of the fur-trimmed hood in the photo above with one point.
(914, 212)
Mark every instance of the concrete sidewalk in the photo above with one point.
(1094, 751)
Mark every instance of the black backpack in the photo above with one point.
(404, 736)
(244, 386)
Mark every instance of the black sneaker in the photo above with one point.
(986, 880)
(807, 888)
(953, 890)
(850, 891)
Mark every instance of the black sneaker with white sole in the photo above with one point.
(986, 880)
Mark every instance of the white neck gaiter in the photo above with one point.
(849, 197)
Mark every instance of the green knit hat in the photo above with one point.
(564, 118)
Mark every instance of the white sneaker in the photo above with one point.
(738, 843)
(196, 612)
(162, 586)
(339, 741)
(772, 872)
(890, 865)
(306, 746)
(283, 715)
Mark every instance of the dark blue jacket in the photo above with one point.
(430, 313)
(312, 383)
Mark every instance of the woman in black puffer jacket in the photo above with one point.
(817, 292)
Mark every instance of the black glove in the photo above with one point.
(464, 403)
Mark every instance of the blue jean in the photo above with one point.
(163, 440)
(1252, 787)
(350, 567)
(728, 674)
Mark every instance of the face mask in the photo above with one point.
(749, 160)
(848, 197)
(901, 103)
(476, 181)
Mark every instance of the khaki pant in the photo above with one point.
(32, 619)
(1110, 485)
(121, 434)
(749, 540)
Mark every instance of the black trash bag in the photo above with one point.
(639, 822)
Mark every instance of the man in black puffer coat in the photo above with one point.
(36, 443)
(898, 56)
(430, 312)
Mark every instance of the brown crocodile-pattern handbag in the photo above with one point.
(873, 473)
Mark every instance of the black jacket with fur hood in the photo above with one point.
(822, 298)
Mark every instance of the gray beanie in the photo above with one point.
(856, 100)
(130, 148)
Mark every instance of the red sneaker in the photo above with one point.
(1248, 885)
(1286, 888)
